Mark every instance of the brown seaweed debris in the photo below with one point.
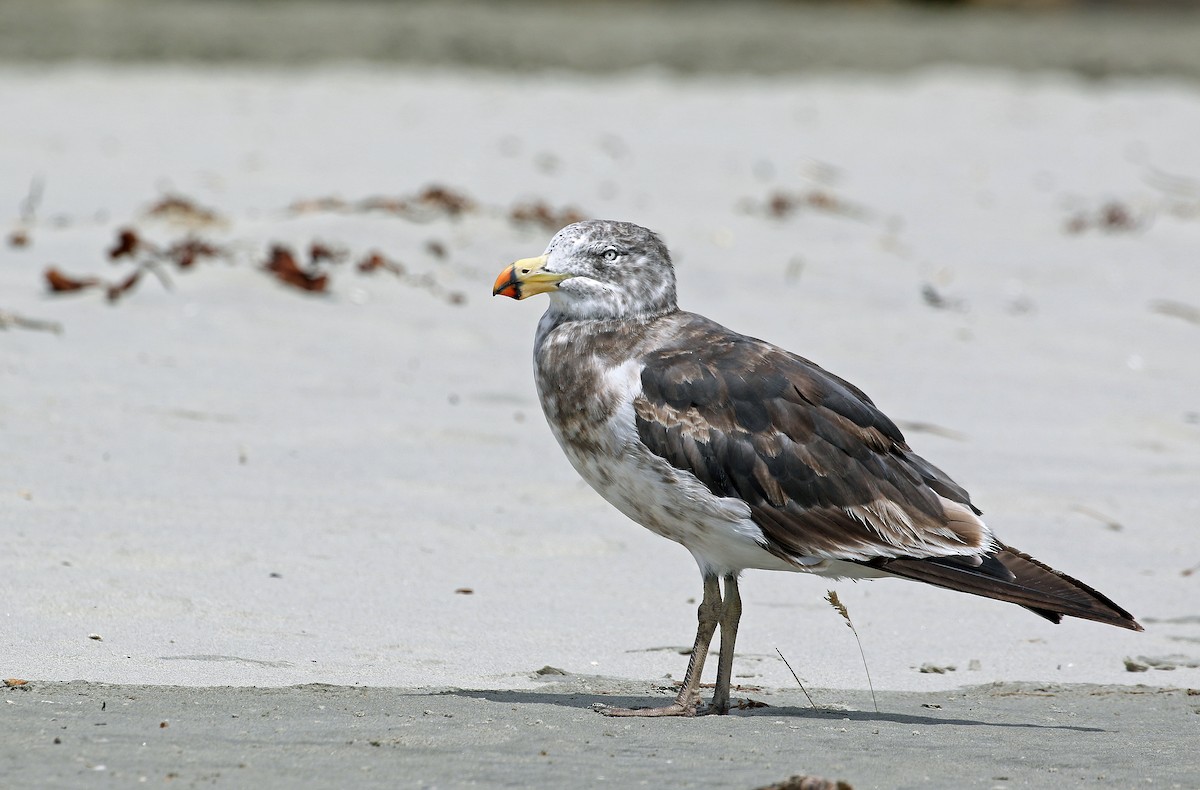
(119, 289)
(444, 199)
(317, 205)
(177, 208)
(781, 205)
(186, 252)
(319, 251)
(433, 201)
(183, 253)
(281, 262)
(1112, 217)
(64, 283)
(127, 245)
(544, 216)
(60, 282)
(376, 261)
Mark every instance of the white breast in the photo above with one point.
(668, 501)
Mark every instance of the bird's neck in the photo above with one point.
(578, 331)
(598, 302)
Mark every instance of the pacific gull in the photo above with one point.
(748, 455)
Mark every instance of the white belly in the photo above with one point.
(591, 415)
(672, 502)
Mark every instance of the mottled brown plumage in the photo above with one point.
(746, 454)
(803, 448)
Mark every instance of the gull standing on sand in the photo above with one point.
(748, 455)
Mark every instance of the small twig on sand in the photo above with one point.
(28, 210)
(155, 268)
(8, 319)
(836, 603)
(797, 677)
(32, 199)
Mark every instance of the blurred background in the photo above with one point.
(1088, 37)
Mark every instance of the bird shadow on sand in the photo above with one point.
(596, 702)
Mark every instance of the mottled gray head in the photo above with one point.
(598, 269)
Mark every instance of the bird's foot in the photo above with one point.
(674, 709)
(715, 710)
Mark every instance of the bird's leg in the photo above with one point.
(708, 615)
(730, 614)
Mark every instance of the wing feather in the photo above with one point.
(825, 473)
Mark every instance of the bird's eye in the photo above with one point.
(610, 254)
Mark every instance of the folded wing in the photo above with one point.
(828, 475)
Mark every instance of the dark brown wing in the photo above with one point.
(824, 472)
(1013, 576)
(827, 474)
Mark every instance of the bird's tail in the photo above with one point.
(1013, 576)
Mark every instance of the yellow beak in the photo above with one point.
(527, 277)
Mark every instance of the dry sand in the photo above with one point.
(235, 484)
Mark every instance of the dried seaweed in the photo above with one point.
(186, 252)
(64, 283)
(117, 290)
(127, 244)
(131, 246)
(281, 262)
(445, 200)
(781, 205)
(544, 216)
(183, 210)
(146, 256)
(60, 282)
(1112, 217)
(319, 251)
(376, 261)
(431, 202)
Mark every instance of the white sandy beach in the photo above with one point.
(232, 482)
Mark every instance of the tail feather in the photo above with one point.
(1013, 576)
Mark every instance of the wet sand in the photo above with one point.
(996, 736)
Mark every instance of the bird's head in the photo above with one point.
(597, 269)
